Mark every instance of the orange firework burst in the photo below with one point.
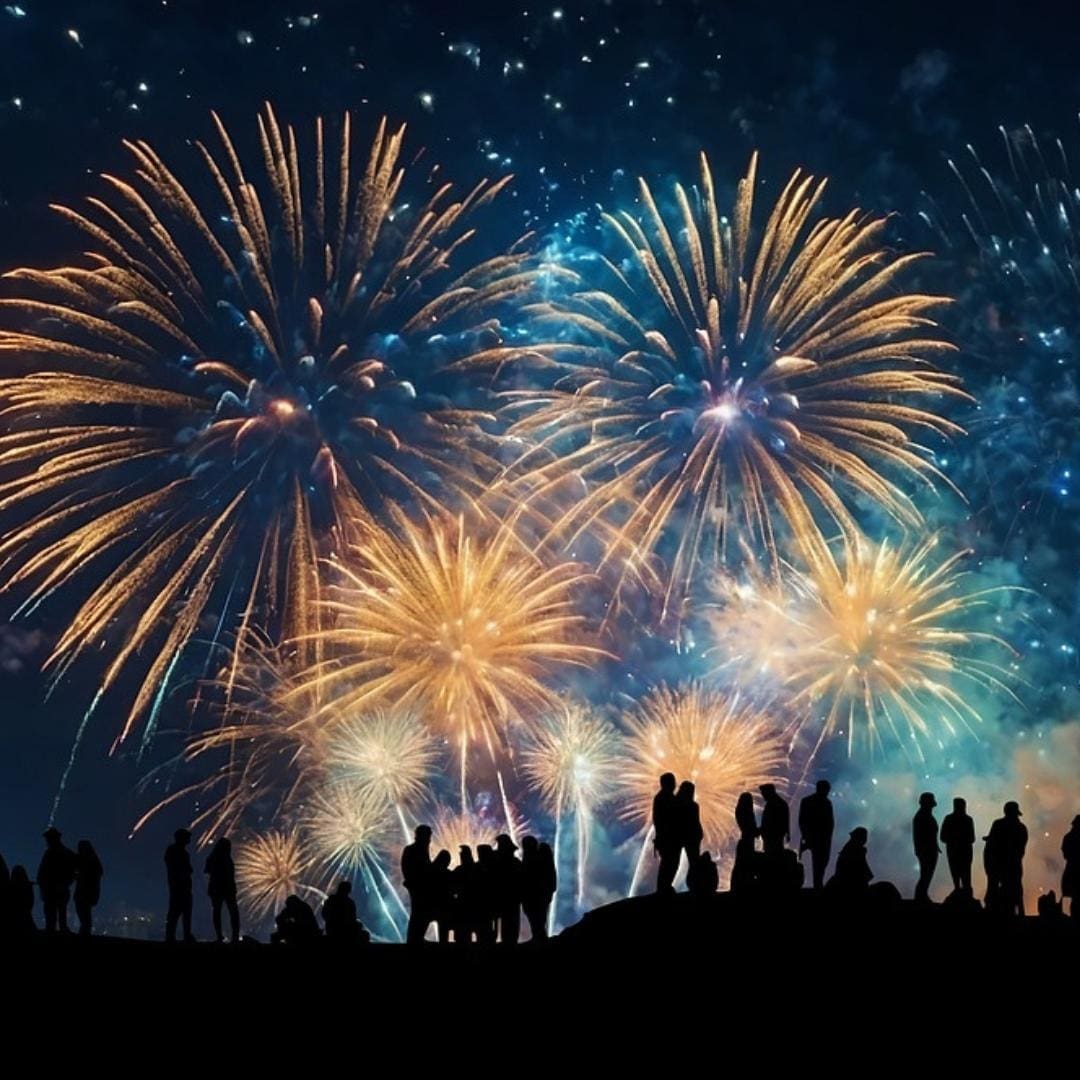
(194, 408)
(453, 830)
(460, 627)
(269, 869)
(780, 381)
(882, 640)
(722, 744)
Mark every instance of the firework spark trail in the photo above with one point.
(460, 627)
(878, 639)
(571, 760)
(782, 382)
(211, 393)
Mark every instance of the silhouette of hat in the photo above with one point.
(1012, 809)
(504, 843)
(51, 833)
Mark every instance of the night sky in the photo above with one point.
(577, 100)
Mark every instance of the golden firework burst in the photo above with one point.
(780, 381)
(462, 627)
(270, 868)
(240, 361)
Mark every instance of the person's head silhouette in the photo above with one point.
(504, 845)
(860, 835)
(530, 845)
(422, 835)
(52, 836)
(182, 837)
(686, 791)
(667, 782)
(1012, 810)
(767, 790)
(823, 787)
(344, 888)
(465, 855)
(959, 805)
(927, 801)
(442, 860)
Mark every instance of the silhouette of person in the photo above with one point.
(508, 884)
(178, 874)
(464, 886)
(703, 878)
(924, 838)
(88, 875)
(56, 873)
(775, 822)
(958, 836)
(816, 826)
(20, 910)
(416, 873)
(339, 916)
(538, 882)
(5, 889)
(296, 924)
(1006, 844)
(442, 895)
(1070, 877)
(852, 876)
(221, 888)
(487, 903)
(689, 818)
(743, 873)
(667, 841)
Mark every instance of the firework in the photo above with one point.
(781, 382)
(878, 644)
(461, 628)
(387, 753)
(349, 827)
(721, 743)
(1010, 227)
(572, 761)
(269, 869)
(200, 403)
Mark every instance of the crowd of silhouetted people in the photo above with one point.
(483, 898)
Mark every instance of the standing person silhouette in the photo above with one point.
(508, 875)
(775, 822)
(816, 824)
(416, 873)
(924, 838)
(487, 900)
(1005, 847)
(88, 875)
(743, 873)
(442, 895)
(221, 888)
(55, 875)
(1070, 877)
(464, 886)
(958, 836)
(534, 888)
(689, 818)
(178, 874)
(667, 842)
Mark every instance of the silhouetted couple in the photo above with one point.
(677, 828)
(775, 868)
(60, 868)
(483, 897)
